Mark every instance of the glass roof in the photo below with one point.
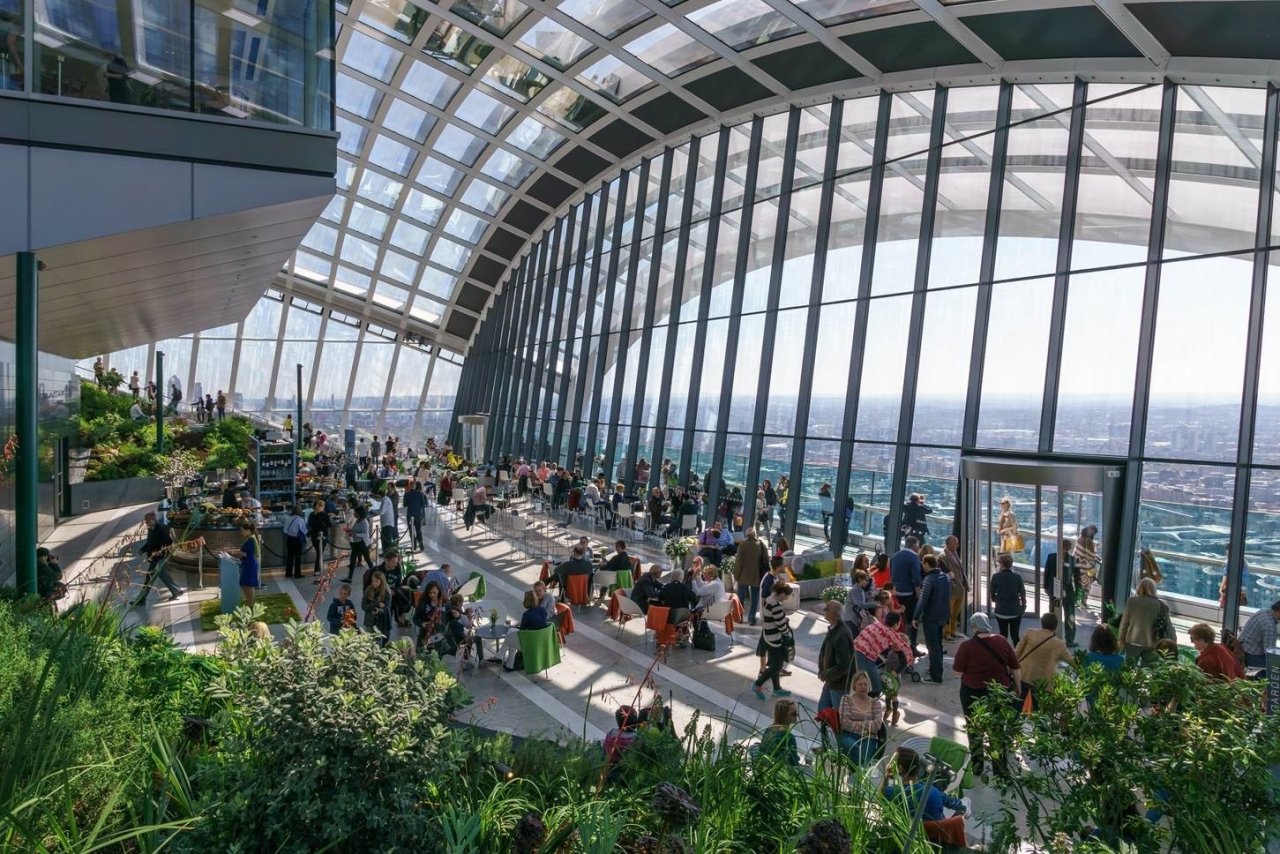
(450, 113)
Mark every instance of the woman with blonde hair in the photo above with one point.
(861, 721)
(1144, 624)
(1007, 528)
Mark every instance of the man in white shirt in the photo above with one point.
(136, 413)
(362, 453)
(248, 502)
(387, 515)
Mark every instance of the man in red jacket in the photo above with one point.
(1214, 658)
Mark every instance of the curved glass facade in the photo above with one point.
(859, 292)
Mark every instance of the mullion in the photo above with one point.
(704, 297)
(840, 528)
(624, 333)
(572, 340)
(601, 369)
(1253, 364)
(746, 216)
(539, 338)
(822, 235)
(915, 329)
(769, 335)
(548, 360)
(524, 342)
(673, 310)
(602, 198)
(650, 309)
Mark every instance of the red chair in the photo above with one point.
(657, 620)
(577, 591)
(564, 627)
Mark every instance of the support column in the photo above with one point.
(27, 471)
(297, 406)
(159, 402)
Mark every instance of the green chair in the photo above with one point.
(474, 589)
(539, 648)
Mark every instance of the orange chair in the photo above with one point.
(657, 620)
(577, 592)
(564, 626)
(948, 831)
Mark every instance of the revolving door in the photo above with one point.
(1050, 500)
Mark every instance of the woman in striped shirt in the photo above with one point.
(778, 640)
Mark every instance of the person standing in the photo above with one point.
(907, 576)
(1008, 598)
(1039, 653)
(415, 506)
(932, 612)
(750, 568)
(376, 605)
(319, 526)
(295, 541)
(135, 385)
(1062, 591)
(249, 567)
(835, 657)
(954, 566)
(387, 519)
(983, 661)
(1144, 624)
(221, 404)
(828, 505)
(778, 641)
(156, 547)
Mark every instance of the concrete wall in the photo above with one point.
(104, 494)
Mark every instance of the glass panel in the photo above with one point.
(614, 79)
(264, 320)
(571, 109)
(844, 246)
(213, 365)
(554, 44)
(963, 185)
(1197, 367)
(516, 78)
(1266, 439)
(301, 324)
(831, 371)
(450, 255)
(1013, 371)
(374, 58)
(253, 379)
(1262, 542)
(391, 155)
(439, 176)
(1117, 177)
(465, 226)
(1031, 209)
(746, 376)
(870, 491)
(817, 487)
(428, 84)
(506, 167)
(832, 12)
(496, 17)
(408, 121)
(535, 138)
(670, 50)
(743, 23)
(422, 207)
(456, 144)
(294, 353)
(942, 386)
(1184, 517)
(1213, 185)
(681, 375)
(484, 197)
(885, 349)
(608, 18)
(357, 97)
(797, 269)
(484, 112)
(397, 18)
(456, 47)
(784, 378)
(409, 237)
(379, 189)
(1099, 358)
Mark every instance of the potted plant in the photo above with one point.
(835, 592)
(677, 548)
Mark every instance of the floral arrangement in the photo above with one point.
(728, 564)
(677, 548)
(835, 592)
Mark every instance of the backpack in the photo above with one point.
(703, 637)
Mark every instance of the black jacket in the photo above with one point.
(619, 562)
(1008, 594)
(158, 538)
(677, 594)
(935, 598)
(645, 591)
(835, 658)
(575, 566)
(318, 523)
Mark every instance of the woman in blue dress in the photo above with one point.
(248, 564)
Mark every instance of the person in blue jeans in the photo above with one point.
(933, 611)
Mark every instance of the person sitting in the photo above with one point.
(907, 767)
(709, 546)
(617, 740)
(535, 616)
(862, 730)
(546, 599)
(429, 616)
(1104, 649)
(647, 588)
(658, 717)
(136, 413)
(677, 594)
(577, 564)
(49, 584)
(778, 742)
(1214, 659)
(710, 588)
(620, 561)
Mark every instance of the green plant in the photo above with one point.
(677, 548)
(323, 742)
(1190, 745)
(277, 608)
(728, 564)
(836, 592)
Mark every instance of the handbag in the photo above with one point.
(703, 637)
(1012, 543)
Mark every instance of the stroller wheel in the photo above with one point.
(915, 677)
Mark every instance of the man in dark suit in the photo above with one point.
(156, 548)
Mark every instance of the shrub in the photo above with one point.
(836, 592)
(1191, 744)
(323, 742)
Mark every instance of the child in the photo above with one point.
(342, 611)
(895, 607)
(895, 664)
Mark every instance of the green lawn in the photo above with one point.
(280, 609)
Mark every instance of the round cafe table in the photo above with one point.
(496, 635)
